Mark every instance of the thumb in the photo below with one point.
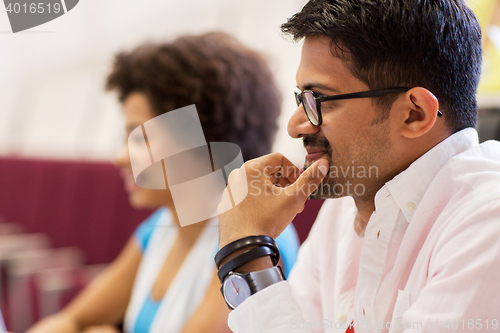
(310, 179)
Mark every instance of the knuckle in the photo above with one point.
(233, 175)
(254, 167)
(275, 154)
(265, 159)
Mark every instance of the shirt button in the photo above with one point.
(410, 206)
(341, 317)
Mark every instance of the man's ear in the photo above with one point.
(419, 112)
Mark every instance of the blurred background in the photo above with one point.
(52, 100)
(63, 211)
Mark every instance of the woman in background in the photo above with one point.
(164, 280)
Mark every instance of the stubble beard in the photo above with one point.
(325, 188)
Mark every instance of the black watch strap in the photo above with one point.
(243, 243)
(246, 257)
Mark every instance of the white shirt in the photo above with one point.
(429, 260)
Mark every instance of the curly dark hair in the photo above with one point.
(435, 44)
(231, 85)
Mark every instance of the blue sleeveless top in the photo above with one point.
(288, 244)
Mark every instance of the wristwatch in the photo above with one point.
(237, 287)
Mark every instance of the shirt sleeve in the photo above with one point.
(143, 232)
(271, 310)
(282, 307)
(276, 308)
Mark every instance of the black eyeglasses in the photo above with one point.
(311, 101)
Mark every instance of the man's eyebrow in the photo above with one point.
(319, 86)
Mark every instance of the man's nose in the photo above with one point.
(299, 125)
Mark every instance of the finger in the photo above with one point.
(309, 180)
(286, 175)
(275, 163)
(282, 182)
(289, 171)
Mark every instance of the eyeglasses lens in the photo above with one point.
(310, 106)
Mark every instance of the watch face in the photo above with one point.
(236, 290)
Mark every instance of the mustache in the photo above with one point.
(317, 142)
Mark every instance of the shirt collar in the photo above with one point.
(408, 187)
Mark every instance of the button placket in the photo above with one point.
(374, 253)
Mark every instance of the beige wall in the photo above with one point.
(51, 97)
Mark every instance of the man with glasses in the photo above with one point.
(386, 112)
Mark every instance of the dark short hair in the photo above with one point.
(231, 85)
(435, 44)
